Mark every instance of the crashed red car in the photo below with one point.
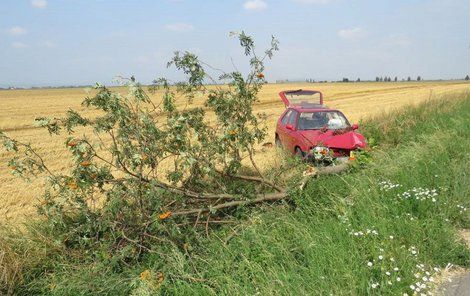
(307, 127)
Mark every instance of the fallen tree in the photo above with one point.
(147, 166)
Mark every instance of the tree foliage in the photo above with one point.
(146, 166)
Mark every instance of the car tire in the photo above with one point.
(278, 143)
(299, 152)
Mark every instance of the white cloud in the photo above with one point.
(142, 59)
(179, 27)
(15, 31)
(18, 45)
(312, 1)
(397, 40)
(48, 44)
(352, 33)
(39, 3)
(255, 5)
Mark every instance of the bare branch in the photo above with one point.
(261, 199)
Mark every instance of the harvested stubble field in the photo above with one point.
(18, 108)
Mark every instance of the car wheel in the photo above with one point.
(299, 152)
(278, 143)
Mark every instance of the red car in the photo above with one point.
(309, 128)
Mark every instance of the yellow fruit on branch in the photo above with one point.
(72, 143)
(160, 277)
(145, 275)
(164, 215)
(85, 163)
(72, 185)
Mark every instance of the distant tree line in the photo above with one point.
(383, 79)
(44, 87)
(389, 79)
(308, 80)
(377, 79)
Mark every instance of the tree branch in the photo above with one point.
(261, 198)
(255, 179)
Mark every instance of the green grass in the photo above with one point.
(309, 246)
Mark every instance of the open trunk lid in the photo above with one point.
(302, 97)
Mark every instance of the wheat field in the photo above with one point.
(18, 108)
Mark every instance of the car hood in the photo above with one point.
(349, 140)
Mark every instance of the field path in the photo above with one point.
(459, 284)
(18, 108)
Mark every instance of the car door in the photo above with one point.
(281, 127)
(291, 134)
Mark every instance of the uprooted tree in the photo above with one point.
(146, 164)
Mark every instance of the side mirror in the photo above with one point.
(290, 127)
(355, 126)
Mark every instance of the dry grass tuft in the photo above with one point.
(12, 264)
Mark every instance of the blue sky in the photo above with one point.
(69, 42)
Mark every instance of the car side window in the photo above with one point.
(286, 117)
(292, 118)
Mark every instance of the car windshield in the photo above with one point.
(321, 119)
